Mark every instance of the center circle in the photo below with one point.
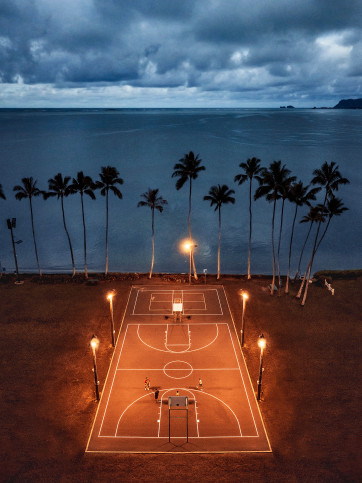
(178, 369)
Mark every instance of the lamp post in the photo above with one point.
(261, 344)
(94, 344)
(110, 298)
(205, 273)
(245, 297)
(189, 246)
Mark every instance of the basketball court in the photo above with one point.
(184, 341)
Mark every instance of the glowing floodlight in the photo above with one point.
(262, 345)
(94, 343)
(245, 297)
(262, 342)
(188, 246)
(110, 296)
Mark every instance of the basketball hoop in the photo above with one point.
(178, 403)
(177, 308)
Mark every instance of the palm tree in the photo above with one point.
(300, 195)
(334, 207)
(59, 186)
(314, 215)
(252, 169)
(188, 168)
(109, 179)
(284, 187)
(153, 201)
(84, 186)
(270, 188)
(218, 196)
(329, 177)
(28, 190)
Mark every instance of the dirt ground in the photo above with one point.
(311, 385)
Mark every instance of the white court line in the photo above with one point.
(175, 352)
(146, 324)
(141, 397)
(246, 367)
(135, 302)
(196, 413)
(192, 301)
(169, 314)
(217, 293)
(205, 369)
(179, 437)
(188, 345)
(109, 369)
(173, 389)
(237, 419)
(242, 378)
(114, 376)
(196, 369)
(171, 292)
(190, 369)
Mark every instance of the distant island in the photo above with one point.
(345, 104)
(349, 104)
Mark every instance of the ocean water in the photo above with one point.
(144, 145)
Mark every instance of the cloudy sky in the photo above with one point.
(179, 53)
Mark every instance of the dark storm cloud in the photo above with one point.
(216, 45)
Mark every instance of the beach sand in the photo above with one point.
(311, 384)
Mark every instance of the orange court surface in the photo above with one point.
(175, 350)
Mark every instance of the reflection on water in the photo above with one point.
(144, 145)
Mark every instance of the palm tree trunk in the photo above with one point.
(305, 242)
(106, 271)
(32, 226)
(321, 238)
(280, 238)
(311, 262)
(312, 258)
(153, 242)
(190, 236)
(66, 231)
(273, 221)
(84, 239)
(219, 246)
(290, 250)
(250, 231)
(299, 294)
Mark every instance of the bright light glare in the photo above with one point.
(94, 343)
(109, 296)
(185, 245)
(245, 296)
(261, 342)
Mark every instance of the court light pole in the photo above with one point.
(261, 344)
(94, 345)
(110, 299)
(245, 297)
(189, 246)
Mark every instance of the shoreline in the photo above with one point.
(95, 277)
